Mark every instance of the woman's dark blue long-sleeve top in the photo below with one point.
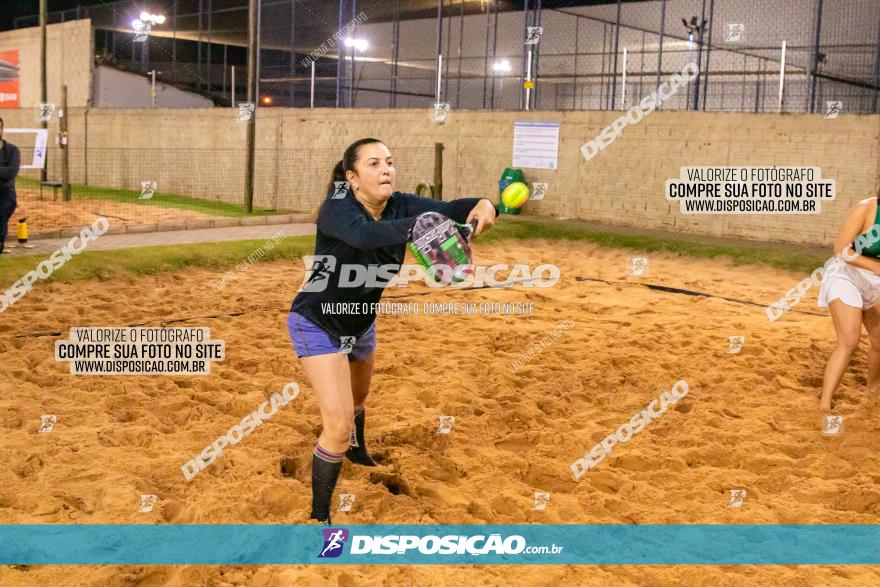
(348, 235)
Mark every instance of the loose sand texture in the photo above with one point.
(750, 420)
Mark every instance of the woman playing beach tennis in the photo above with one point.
(365, 223)
(851, 294)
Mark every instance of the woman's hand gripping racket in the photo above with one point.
(442, 246)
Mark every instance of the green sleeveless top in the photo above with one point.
(873, 250)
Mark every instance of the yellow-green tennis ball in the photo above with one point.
(515, 195)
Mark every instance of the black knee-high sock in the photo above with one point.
(325, 472)
(357, 449)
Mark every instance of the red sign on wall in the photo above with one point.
(9, 77)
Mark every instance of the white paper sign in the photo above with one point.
(41, 141)
(535, 144)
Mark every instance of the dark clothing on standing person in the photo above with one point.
(347, 232)
(10, 162)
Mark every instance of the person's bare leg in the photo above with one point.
(871, 320)
(361, 375)
(330, 378)
(848, 325)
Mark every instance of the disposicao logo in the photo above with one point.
(334, 540)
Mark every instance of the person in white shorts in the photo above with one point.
(852, 294)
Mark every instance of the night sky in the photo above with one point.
(14, 8)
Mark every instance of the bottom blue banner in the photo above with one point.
(568, 544)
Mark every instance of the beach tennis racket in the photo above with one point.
(442, 246)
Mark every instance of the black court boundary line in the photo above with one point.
(663, 288)
(688, 292)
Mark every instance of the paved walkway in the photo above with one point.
(154, 239)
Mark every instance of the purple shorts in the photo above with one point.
(309, 340)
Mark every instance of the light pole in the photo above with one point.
(695, 29)
(142, 27)
(355, 45)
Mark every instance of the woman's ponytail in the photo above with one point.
(338, 174)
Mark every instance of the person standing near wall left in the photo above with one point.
(10, 161)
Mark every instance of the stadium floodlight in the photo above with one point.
(137, 24)
(151, 19)
(502, 66)
(359, 44)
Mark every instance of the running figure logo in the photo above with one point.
(440, 111)
(833, 108)
(737, 497)
(538, 190)
(245, 111)
(47, 422)
(148, 189)
(47, 109)
(534, 35)
(638, 267)
(446, 423)
(736, 344)
(346, 500)
(340, 189)
(346, 344)
(734, 32)
(147, 503)
(833, 425)
(317, 276)
(541, 500)
(334, 540)
(141, 31)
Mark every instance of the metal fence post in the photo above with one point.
(814, 58)
(699, 57)
(537, 54)
(876, 72)
(486, 58)
(495, 54)
(339, 52)
(252, 96)
(577, 50)
(438, 62)
(781, 77)
(292, 86)
(199, 48)
(660, 49)
(351, 67)
(395, 55)
(709, 51)
(614, 68)
(460, 40)
(173, 37)
(208, 61)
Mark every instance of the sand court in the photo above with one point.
(748, 422)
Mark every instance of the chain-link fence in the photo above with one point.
(407, 53)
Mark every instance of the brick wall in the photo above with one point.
(624, 184)
(201, 153)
